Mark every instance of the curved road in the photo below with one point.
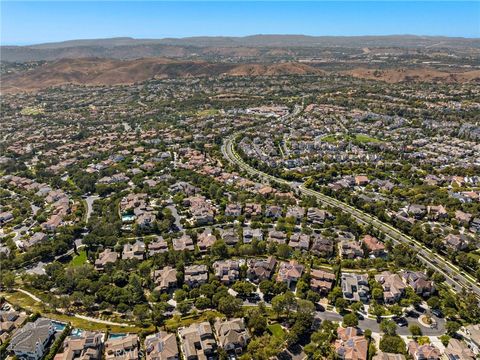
(454, 276)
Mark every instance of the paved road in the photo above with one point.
(90, 200)
(173, 209)
(455, 277)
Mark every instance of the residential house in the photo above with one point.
(316, 216)
(233, 210)
(423, 352)
(472, 337)
(361, 180)
(437, 212)
(197, 341)
(227, 271)
(350, 249)
(290, 272)
(31, 341)
(252, 210)
(458, 350)
(159, 246)
(373, 245)
(185, 242)
(229, 236)
(196, 275)
(322, 246)
(393, 286)
(36, 238)
(205, 240)
(10, 321)
(299, 241)
(202, 210)
(85, 346)
(122, 348)
(388, 356)
(161, 346)
(355, 287)
(417, 211)
(5, 217)
(321, 281)
(278, 237)
(261, 269)
(296, 212)
(250, 234)
(419, 282)
(107, 256)
(463, 217)
(475, 225)
(135, 251)
(232, 335)
(350, 345)
(165, 279)
(273, 211)
(456, 242)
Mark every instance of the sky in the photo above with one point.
(24, 23)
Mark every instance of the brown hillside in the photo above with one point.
(96, 71)
(414, 75)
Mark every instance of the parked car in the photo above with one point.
(400, 321)
(437, 313)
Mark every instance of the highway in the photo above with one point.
(454, 276)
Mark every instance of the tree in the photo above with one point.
(452, 327)
(180, 295)
(356, 306)
(220, 249)
(350, 319)
(203, 303)
(184, 307)
(341, 304)
(283, 251)
(243, 288)
(257, 322)
(7, 280)
(376, 309)
(396, 310)
(415, 330)
(136, 289)
(284, 303)
(392, 344)
(230, 306)
(388, 327)
(267, 288)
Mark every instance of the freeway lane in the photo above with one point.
(455, 277)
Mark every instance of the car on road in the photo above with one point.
(412, 314)
(400, 321)
(420, 309)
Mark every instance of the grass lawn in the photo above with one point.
(366, 139)
(27, 303)
(80, 259)
(276, 330)
(176, 322)
(329, 138)
(208, 112)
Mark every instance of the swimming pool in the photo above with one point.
(77, 332)
(116, 336)
(59, 326)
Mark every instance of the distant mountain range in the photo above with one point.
(129, 48)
